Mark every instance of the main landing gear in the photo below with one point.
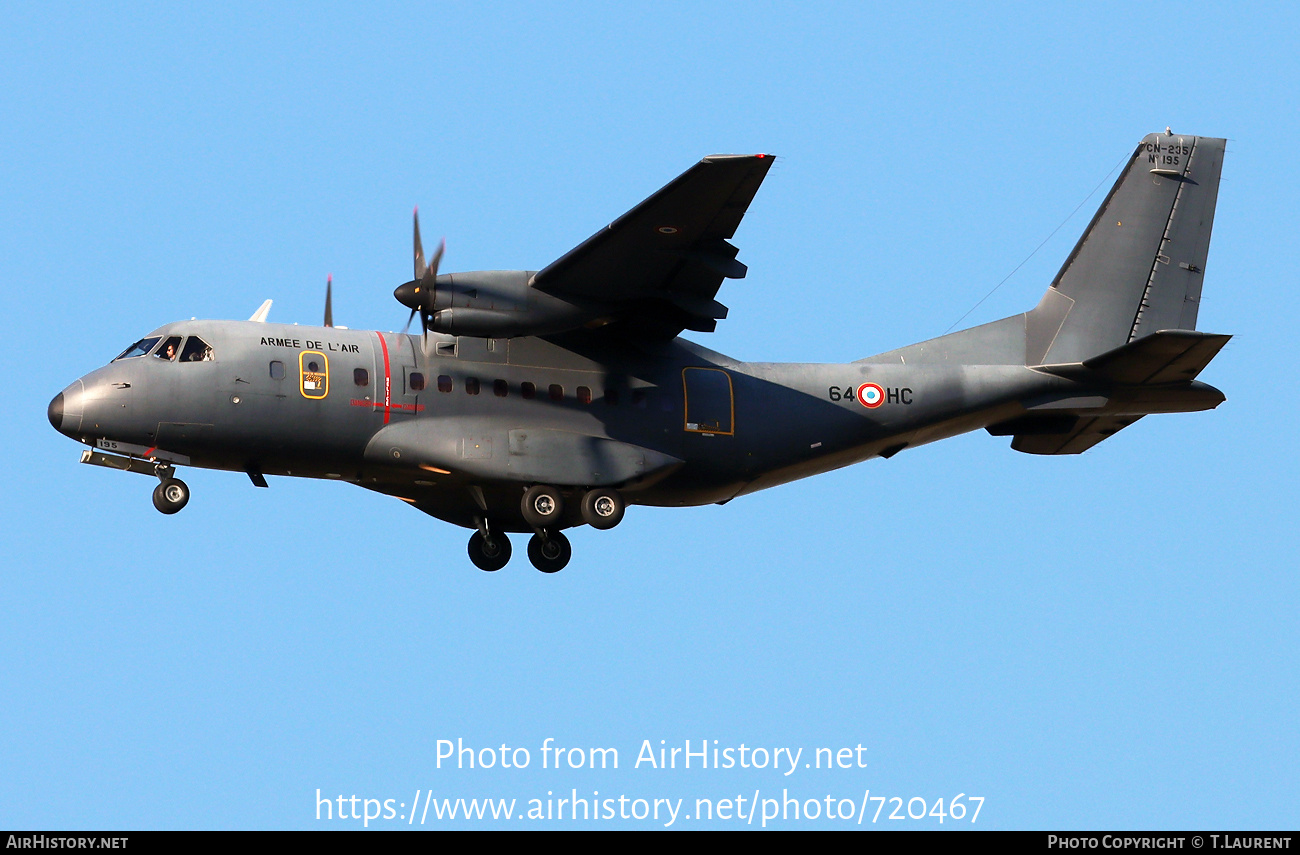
(489, 553)
(171, 494)
(549, 553)
(542, 508)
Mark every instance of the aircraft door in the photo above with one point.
(408, 379)
(397, 373)
(710, 401)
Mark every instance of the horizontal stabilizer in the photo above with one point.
(1168, 356)
(1086, 434)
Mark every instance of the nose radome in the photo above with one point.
(55, 412)
(65, 410)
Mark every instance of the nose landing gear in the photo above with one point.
(170, 495)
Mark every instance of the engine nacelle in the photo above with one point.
(492, 303)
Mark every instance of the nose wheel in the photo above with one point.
(551, 553)
(170, 495)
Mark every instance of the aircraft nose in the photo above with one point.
(66, 409)
(55, 412)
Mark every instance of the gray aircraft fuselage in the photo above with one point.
(462, 425)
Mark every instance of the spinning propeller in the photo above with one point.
(419, 293)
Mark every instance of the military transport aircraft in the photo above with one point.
(535, 401)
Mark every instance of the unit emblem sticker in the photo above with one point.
(313, 368)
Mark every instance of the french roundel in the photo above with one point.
(870, 395)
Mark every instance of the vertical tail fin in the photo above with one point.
(1138, 267)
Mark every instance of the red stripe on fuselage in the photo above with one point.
(388, 379)
(366, 402)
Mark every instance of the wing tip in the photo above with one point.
(717, 158)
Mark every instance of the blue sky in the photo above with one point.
(1100, 641)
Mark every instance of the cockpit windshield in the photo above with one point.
(169, 349)
(140, 348)
(196, 350)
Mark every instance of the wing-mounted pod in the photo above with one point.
(489, 303)
(494, 303)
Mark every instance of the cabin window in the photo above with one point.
(196, 350)
(361, 377)
(170, 349)
(556, 391)
(277, 370)
(528, 390)
(471, 386)
(500, 388)
(584, 395)
(140, 348)
(444, 383)
(416, 381)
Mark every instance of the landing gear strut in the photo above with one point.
(171, 494)
(550, 552)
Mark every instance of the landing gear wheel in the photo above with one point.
(490, 555)
(602, 509)
(542, 506)
(549, 555)
(170, 495)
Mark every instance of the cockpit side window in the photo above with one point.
(140, 348)
(170, 349)
(196, 350)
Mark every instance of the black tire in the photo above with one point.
(549, 555)
(170, 495)
(603, 508)
(489, 557)
(542, 506)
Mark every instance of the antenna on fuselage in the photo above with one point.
(262, 311)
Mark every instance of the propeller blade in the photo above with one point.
(329, 300)
(419, 249)
(437, 258)
(409, 318)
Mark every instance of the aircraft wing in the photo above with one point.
(659, 266)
